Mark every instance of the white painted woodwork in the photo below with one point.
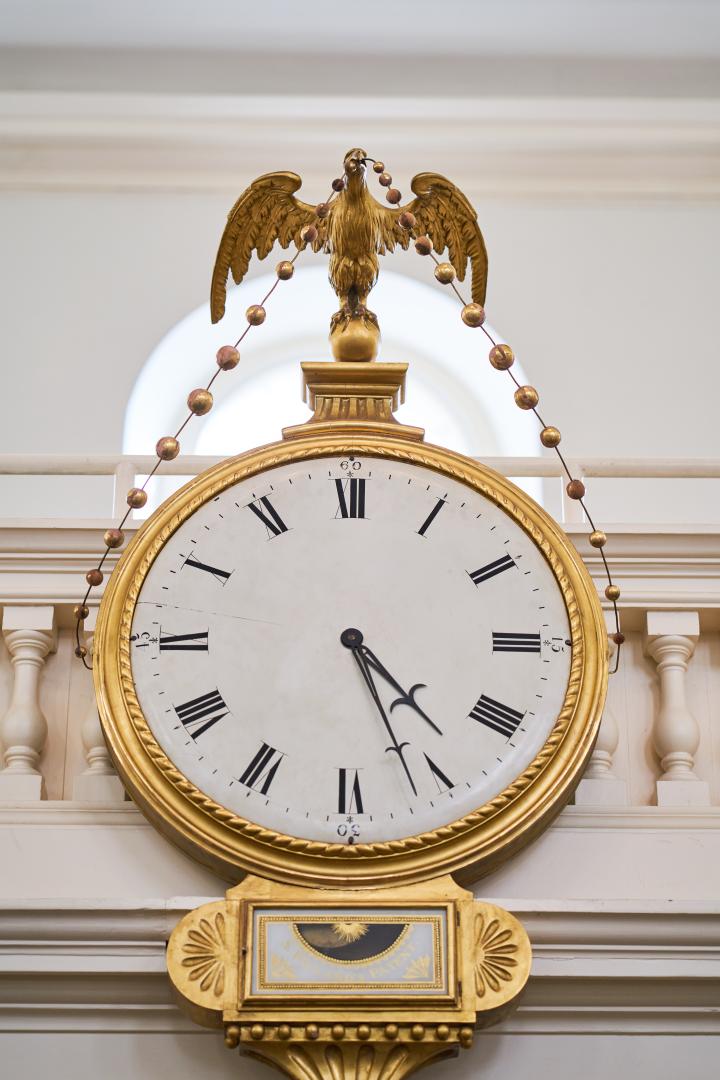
(98, 783)
(29, 634)
(671, 641)
(600, 785)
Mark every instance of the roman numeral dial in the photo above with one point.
(350, 648)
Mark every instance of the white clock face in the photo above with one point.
(350, 650)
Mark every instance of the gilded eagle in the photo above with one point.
(355, 231)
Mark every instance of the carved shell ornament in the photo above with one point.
(204, 952)
(495, 954)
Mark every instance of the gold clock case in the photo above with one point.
(231, 845)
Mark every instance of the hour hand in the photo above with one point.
(406, 697)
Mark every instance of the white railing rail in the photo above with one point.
(124, 468)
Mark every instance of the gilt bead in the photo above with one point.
(445, 273)
(227, 357)
(322, 210)
(473, 315)
(417, 1031)
(94, 577)
(393, 195)
(167, 448)
(391, 1031)
(200, 401)
(526, 397)
(465, 1036)
(612, 592)
(598, 538)
(284, 1031)
(80, 651)
(443, 1032)
(308, 233)
(257, 1031)
(232, 1036)
(81, 611)
(285, 270)
(136, 498)
(423, 245)
(385, 179)
(550, 437)
(406, 220)
(575, 489)
(312, 1031)
(378, 166)
(113, 538)
(338, 1031)
(501, 357)
(338, 183)
(618, 638)
(255, 314)
(363, 1031)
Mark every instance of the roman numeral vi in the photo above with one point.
(349, 796)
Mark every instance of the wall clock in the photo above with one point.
(350, 659)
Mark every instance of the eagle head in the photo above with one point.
(354, 162)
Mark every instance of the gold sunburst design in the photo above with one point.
(230, 844)
(495, 954)
(205, 954)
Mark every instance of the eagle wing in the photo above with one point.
(265, 212)
(444, 214)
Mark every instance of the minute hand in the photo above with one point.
(397, 747)
(407, 697)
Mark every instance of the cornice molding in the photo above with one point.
(93, 965)
(507, 148)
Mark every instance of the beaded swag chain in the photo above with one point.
(200, 400)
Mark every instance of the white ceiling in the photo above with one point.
(619, 28)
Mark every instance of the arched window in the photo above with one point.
(452, 391)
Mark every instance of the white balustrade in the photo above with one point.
(98, 783)
(30, 634)
(600, 785)
(670, 641)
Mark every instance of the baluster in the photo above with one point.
(30, 634)
(600, 786)
(671, 639)
(98, 783)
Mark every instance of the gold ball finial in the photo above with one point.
(94, 577)
(255, 314)
(598, 538)
(612, 592)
